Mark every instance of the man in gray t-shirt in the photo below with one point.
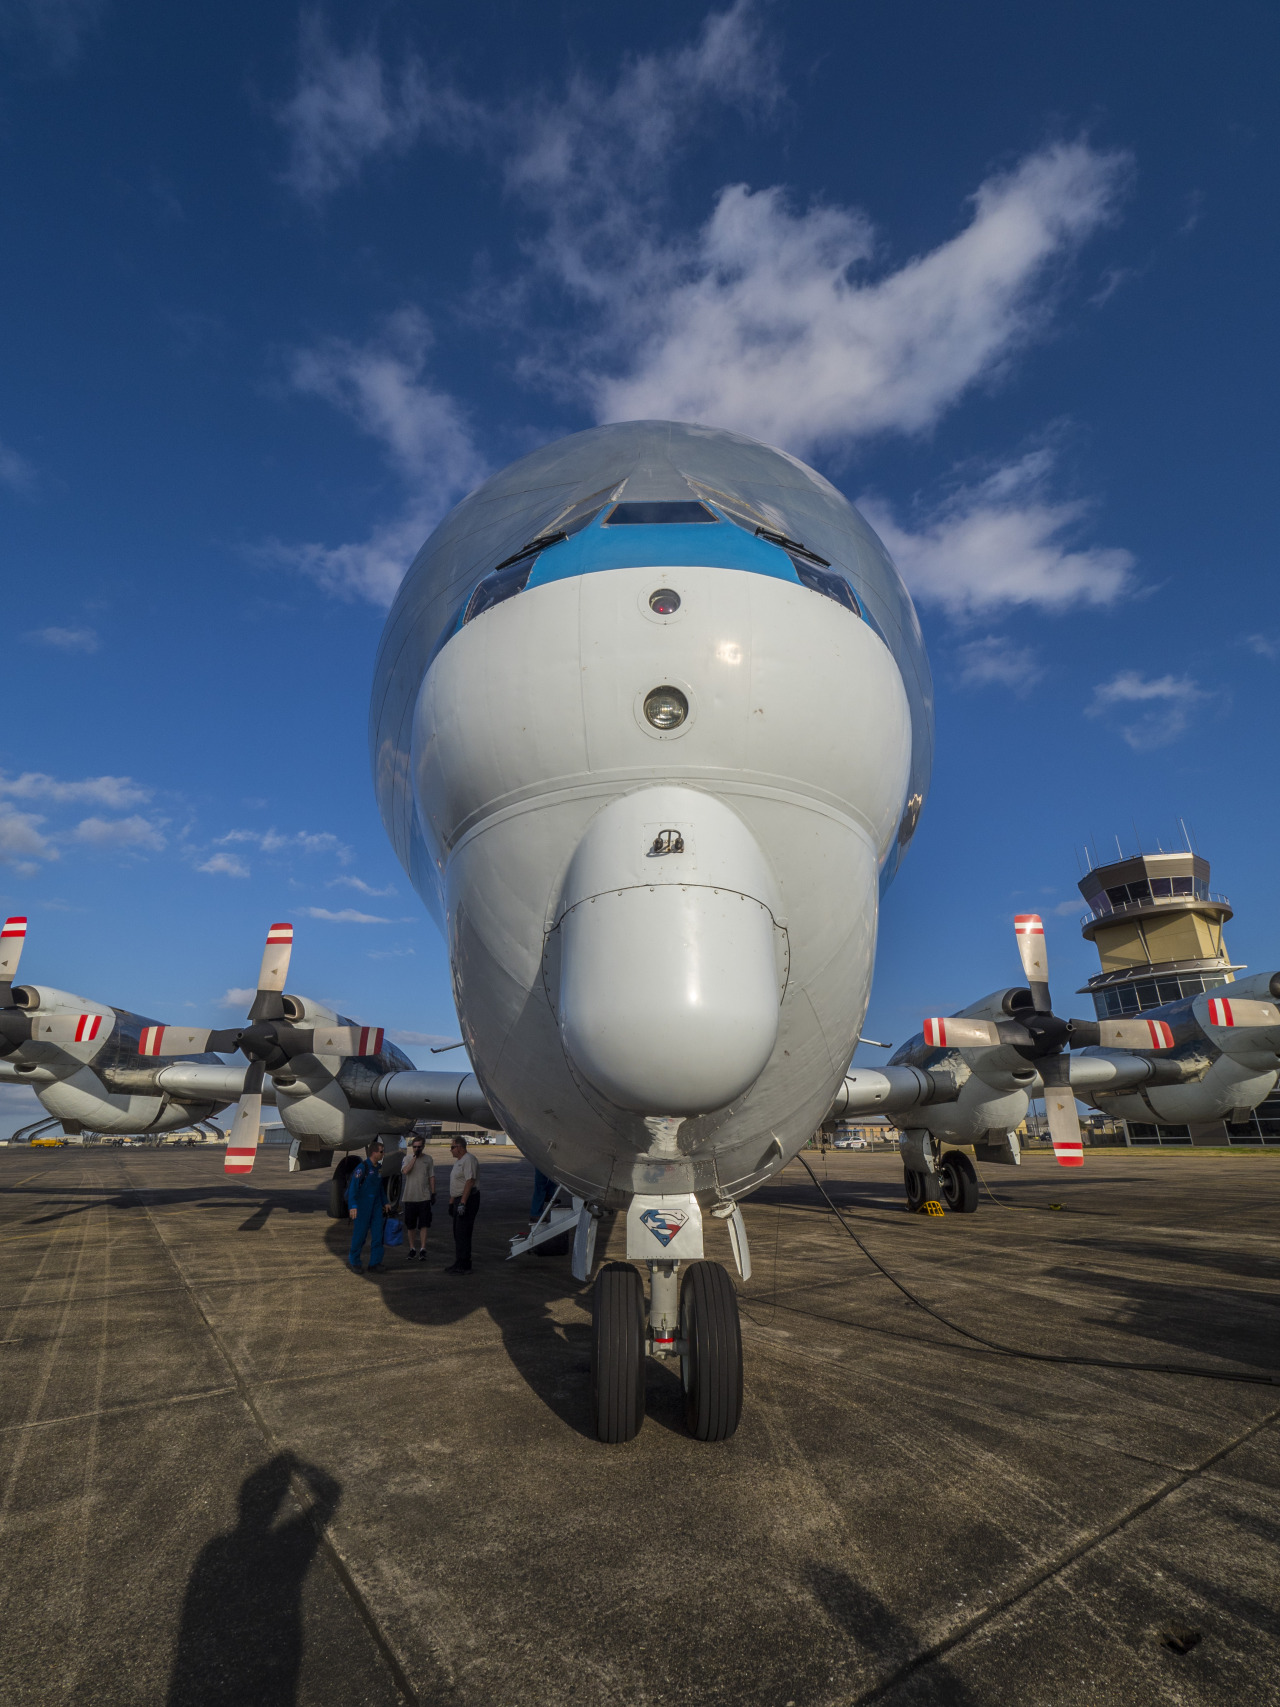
(464, 1203)
(419, 1175)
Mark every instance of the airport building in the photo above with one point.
(1157, 926)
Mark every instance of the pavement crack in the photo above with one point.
(1056, 1567)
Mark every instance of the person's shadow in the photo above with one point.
(241, 1635)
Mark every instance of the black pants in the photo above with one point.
(464, 1219)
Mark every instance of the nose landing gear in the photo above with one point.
(693, 1317)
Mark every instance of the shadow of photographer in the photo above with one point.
(241, 1634)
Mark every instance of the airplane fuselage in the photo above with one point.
(652, 792)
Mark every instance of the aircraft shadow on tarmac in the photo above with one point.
(1216, 1322)
(549, 1346)
(241, 1635)
(212, 1197)
(882, 1635)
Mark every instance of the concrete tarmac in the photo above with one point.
(233, 1472)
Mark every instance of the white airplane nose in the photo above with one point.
(670, 956)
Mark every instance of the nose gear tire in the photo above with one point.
(712, 1365)
(617, 1353)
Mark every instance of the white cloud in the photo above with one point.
(995, 661)
(301, 841)
(239, 999)
(21, 840)
(1171, 700)
(65, 639)
(585, 157)
(56, 26)
(790, 324)
(382, 387)
(1001, 543)
(15, 471)
(348, 107)
(347, 916)
(1263, 645)
(115, 792)
(775, 329)
(224, 865)
(363, 887)
(134, 832)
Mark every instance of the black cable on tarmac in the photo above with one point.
(1035, 1356)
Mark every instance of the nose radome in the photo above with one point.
(669, 987)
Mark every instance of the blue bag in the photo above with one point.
(393, 1231)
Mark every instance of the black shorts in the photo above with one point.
(417, 1214)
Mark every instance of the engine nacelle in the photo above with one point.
(1228, 1085)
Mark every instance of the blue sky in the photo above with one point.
(280, 286)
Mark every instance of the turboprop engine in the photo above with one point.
(92, 1066)
(968, 1079)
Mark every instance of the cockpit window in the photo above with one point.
(681, 510)
(826, 582)
(501, 584)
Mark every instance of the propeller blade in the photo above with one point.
(1029, 929)
(186, 1040)
(1134, 1034)
(961, 1034)
(69, 1028)
(242, 1140)
(12, 938)
(1223, 1011)
(268, 1003)
(347, 1040)
(1060, 1107)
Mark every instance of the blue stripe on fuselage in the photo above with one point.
(711, 545)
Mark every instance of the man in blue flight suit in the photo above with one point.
(364, 1204)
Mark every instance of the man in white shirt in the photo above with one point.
(464, 1203)
(419, 1175)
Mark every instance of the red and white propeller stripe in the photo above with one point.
(1241, 1013)
(66, 1028)
(12, 938)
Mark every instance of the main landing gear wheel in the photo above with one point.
(959, 1183)
(617, 1352)
(917, 1187)
(339, 1179)
(712, 1362)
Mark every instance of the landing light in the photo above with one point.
(665, 602)
(666, 708)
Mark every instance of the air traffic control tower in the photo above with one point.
(1157, 927)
